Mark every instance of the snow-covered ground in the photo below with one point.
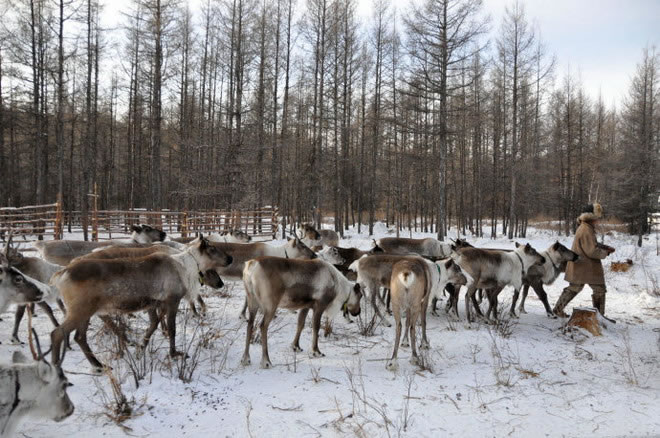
(523, 378)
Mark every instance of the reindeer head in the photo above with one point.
(18, 288)
(562, 254)
(211, 279)
(331, 255)
(296, 249)
(529, 255)
(376, 249)
(309, 232)
(461, 243)
(48, 386)
(352, 304)
(209, 256)
(147, 234)
(453, 272)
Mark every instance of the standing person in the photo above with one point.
(588, 268)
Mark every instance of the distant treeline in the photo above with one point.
(244, 103)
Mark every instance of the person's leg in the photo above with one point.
(566, 296)
(598, 297)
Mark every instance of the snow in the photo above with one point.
(524, 377)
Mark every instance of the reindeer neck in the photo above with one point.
(190, 267)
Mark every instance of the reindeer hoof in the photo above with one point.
(245, 361)
(266, 365)
(15, 341)
(513, 315)
(392, 365)
(297, 349)
(318, 354)
(386, 323)
(405, 343)
(389, 312)
(425, 345)
(242, 317)
(551, 315)
(414, 360)
(434, 313)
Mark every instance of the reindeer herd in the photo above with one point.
(152, 273)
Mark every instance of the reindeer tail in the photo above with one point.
(407, 278)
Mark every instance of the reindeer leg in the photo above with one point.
(60, 304)
(514, 300)
(388, 300)
(202, 305)
(18, 317)
(412, 322)
(154, 319)
(172, 308)
(81, 338)
(265, 322)
(243, 310)
(525, 291)
(425, 342)
(374, 296)
(302, 315)
(469, 299)
(252, 315)
(392, 364)
(316, 326)
(543, 296)
(49, 312)
(57, 336)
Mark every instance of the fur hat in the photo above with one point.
(591, 212)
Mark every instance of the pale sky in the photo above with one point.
(600, 41)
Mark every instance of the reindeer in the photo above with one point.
(495, 269)
(231, 236)
(343, 258)
(242, 252)
(375, 271)
(428, 247)
(154, 282)
(61, 252)
(36, 389)
(17, 288)
(272, 282)
(556, 257)
(40, 270)
(314, 238)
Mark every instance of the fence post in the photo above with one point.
(273, 222)
(95, 217)
(184, 224)
(58, 218)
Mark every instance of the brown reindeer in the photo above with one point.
(157, 281)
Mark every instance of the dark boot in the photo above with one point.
(598, 301)
(566, 296)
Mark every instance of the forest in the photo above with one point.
(431, 116)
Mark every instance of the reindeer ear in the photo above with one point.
(528, 246)
(517, 244)
(18, 357)
(136, 228)
(356, 288)
(449, 263)
(44, 370)
(556, 245)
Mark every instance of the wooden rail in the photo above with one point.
(39, 222)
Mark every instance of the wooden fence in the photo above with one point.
(46, 222)
(32, 222)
